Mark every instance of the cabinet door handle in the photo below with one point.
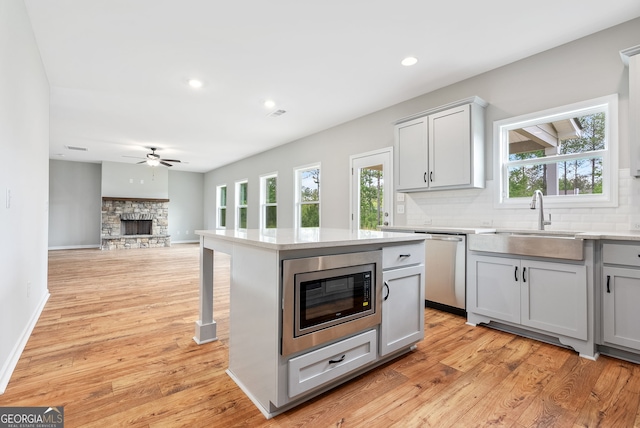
(524, 272)
(424, 177)
(608, 283)
(341, 359)
(404, 256)
(516, 274)
(388, 291)
(431, 176)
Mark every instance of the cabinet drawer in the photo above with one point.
(402, 255)
(621, 254)
(318, 367)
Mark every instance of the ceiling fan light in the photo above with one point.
(153, 162)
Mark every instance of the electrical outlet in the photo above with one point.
(635, 226)
(487, 223)
(428, 222)
(400, 209)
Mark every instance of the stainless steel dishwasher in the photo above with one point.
(445, 273)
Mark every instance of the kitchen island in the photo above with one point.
(277, 378)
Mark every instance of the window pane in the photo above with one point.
(310, 215)
(581, 176)
(271, 190)
(242, 218)
(223, 196)
(310, 185)
(223, 217)
(271, 216)
(573, 177)
(243, 194)
(559, 136)
(371, 197)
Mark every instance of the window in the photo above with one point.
(307, 196)
(221, 197)
(268, 201)
(568, 153)
(241, 204)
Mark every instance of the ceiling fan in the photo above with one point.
(153, 159)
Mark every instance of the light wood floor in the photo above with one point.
(114, 347)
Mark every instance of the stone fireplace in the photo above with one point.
(135, 223)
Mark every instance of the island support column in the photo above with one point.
(205, 326)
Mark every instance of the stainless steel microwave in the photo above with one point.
(329, 297)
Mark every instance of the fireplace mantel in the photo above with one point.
(117, 198)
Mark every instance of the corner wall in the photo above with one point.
(24, 184)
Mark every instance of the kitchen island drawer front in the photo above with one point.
(402, 255)
(323, 365)
(620, 254)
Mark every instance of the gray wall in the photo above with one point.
(186, 206)
(581, 70)
(74, 204)
(24, 184)
(76, 199)
(134, 181)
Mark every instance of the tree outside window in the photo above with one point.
(222, 206)
(241, 194)
(269, 202)
(308, 197)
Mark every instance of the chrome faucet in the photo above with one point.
(541, 221)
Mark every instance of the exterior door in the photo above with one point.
(371, 190)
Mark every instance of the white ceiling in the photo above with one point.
(118, 69)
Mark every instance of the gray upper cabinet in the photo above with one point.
(442, 148)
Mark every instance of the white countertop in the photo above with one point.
(602, 235)
(439, 229)
(292, 239)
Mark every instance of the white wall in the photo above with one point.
(587, 68)
(24, 134)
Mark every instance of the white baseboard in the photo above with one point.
(11, 363)
(186, 241)
(74, 247)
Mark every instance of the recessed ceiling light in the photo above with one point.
(269, 104)
(409, 61)
(195, 83)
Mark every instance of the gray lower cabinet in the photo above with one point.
(550, 297)
(402, 297)
(621, 295)
(402, 309)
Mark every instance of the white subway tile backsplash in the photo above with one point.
(475, 207)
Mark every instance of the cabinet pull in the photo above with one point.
(524, 272)
(608, 282)
(388, 291)
(404, 256)
(337, 361)
(516, 274)
(431, 176)
(425, 177)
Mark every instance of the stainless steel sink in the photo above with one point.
(537, 243)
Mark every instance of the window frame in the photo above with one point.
(263, 200)
(298, 191)
(240, 206)
(220, 207)
(609, 196)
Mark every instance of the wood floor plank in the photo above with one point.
(114, 345)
